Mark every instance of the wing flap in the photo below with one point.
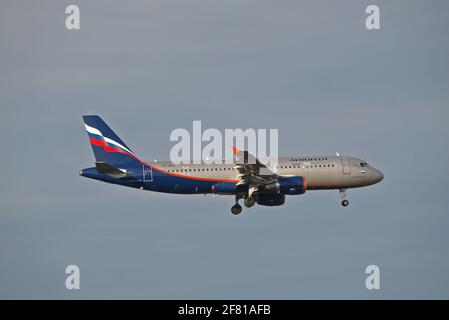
(251, 170)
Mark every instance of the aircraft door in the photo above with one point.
(346, 165)
(147, 174)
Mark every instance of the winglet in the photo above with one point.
(235, 150)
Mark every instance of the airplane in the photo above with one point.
(116, 163)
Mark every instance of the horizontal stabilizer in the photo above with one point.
(106, 168)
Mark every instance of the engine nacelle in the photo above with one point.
(270, 198)
(289, 185)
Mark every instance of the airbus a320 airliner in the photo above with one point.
(116, 163)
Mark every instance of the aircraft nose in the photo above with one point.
(378, 176)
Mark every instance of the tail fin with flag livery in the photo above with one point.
(107, 146)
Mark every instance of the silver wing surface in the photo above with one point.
(252, 172)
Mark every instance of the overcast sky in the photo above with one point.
(308, 68)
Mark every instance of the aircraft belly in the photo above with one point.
(171, 184)
(328, 180)
(319, 180)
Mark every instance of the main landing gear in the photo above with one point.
(344, 201)
(249, 201)
(237, 209)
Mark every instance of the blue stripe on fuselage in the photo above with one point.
(164, 182)
(158, 181)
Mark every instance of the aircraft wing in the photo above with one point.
(251, 171)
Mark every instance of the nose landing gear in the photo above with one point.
(344, 201)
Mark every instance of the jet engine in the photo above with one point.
(270, 198)
(289, 185)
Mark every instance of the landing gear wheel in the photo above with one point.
(236, 209)
(249, 202)
(345, 203)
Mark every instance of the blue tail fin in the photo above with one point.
(107, 146)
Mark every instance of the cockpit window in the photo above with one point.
(363, 164)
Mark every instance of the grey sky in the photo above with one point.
(308, 68)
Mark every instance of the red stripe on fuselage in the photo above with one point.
(107, 148)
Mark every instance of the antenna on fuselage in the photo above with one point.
(337, 154)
